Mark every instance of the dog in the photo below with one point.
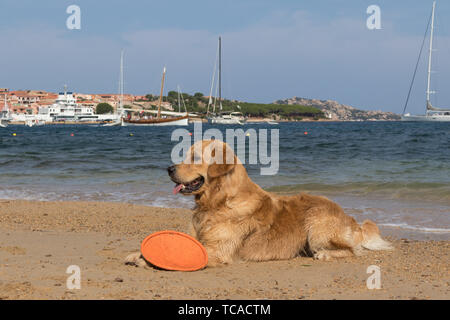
(236, 220)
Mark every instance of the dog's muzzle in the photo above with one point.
(184, 187)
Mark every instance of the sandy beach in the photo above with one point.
(39, 240)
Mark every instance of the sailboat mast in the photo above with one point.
(220, 73)
(179, 103)
(430, 55)
(121, 80)
(161, 94)
(213, 81)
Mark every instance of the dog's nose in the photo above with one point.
(171, 169)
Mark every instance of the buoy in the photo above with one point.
(306, 132)
(71, 134)
(14, 134)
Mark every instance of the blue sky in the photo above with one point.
(271, 49)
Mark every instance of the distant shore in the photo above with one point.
(249, 120)
(39, 240)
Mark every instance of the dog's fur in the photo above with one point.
(237, 220)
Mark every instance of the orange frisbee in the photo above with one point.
(173, 250)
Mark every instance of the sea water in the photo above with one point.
(395, 173)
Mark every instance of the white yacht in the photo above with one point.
(33, 121)
(66, 108)
(432, 113)
(228, 118)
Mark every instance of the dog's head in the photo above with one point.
(206, 162)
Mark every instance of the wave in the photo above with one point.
(156, 200)
(427, 191)
(415, 228)
(8, 162)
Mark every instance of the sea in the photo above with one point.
(394, 173)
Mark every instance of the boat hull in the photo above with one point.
(112, 124)
(225, 121)
(427, 118)
(183, 121)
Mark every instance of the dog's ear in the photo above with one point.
(223, 162)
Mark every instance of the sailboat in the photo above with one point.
(4, 115)
(432, 113)
(223, 117)
(158, 121)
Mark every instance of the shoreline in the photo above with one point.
(39, 240)
(388, 228)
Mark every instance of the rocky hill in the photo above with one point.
(336, 111)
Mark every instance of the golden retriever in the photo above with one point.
(235, 219)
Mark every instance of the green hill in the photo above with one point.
(198, 103)
(283, 111)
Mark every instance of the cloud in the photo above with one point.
(286, 54)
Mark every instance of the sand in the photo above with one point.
(40, 240)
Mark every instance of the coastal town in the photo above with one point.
(34, 107)
(32, 101)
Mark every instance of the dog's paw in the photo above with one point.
(322, 255)
(135, 259)
(213, 263)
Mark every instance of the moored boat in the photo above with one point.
(4, 115)
(159, 120)
(223, 117)
(432, 113)
(67, 110)
(228, 118)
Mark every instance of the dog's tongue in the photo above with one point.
(177, 188)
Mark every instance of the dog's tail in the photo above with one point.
(372, 239)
